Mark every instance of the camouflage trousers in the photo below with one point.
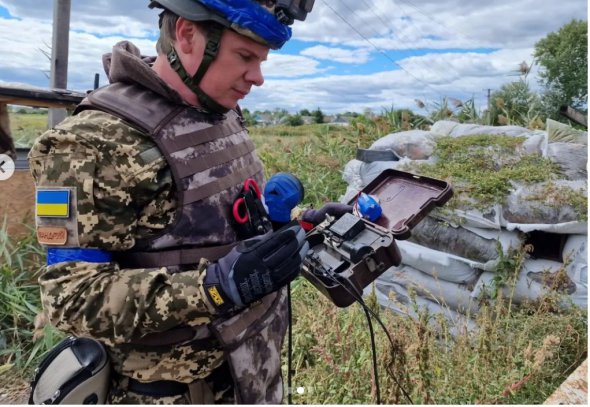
(217, 388)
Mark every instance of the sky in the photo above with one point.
(348, 55)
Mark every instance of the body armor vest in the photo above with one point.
(209, 156)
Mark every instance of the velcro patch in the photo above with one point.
(53, 203)
(215, 296)
(52, 236)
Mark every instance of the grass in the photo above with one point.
(519, 354)
(26, 127)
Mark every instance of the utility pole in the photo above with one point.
(59, 54)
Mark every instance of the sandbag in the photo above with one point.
(463, 242)
(455, 296)
(562, 132)
(572, 159)
(393, 296)
(412, 144)
(440, 265)
(453, 129)
(540, 203)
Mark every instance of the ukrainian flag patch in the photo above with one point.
(54, 203)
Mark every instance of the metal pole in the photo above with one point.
(59, 54)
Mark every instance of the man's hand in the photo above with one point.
(317, 216)
(256, 267)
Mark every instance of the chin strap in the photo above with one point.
(211, 49)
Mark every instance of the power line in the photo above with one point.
(379, 49)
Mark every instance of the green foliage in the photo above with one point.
(25, 128)
(24, 338)
(248, 117)
(294, 120)
(481, 167)
(516, 104)
(318, 116)
(563, 56)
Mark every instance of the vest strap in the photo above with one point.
(221, 184)
(212, 160)
(182, 141)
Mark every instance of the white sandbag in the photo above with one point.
(455, 296)
(402, 304)
(352, 173)
(413, 144)
(524, 289)
(487, 219)
(440, 265)
(481, 246)
(571, 158)
(536, 204)
(562, 132)
(545, 273)
(536, 143)
(575, 255)
(453, 129)
(559, 228)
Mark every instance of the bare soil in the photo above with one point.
(13, 389)
(17, 203)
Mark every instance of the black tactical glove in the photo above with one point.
(317, 216)
(256, 267)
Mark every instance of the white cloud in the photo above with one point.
(352, 32)
(342, 55)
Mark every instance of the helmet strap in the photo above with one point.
(211, 50)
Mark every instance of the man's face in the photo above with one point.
(235, 69)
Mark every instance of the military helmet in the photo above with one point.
(265, 21)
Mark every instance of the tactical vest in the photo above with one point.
(209, 157)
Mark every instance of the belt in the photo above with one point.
(159, 388)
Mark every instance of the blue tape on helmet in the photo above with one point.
(252, 16)
(368, 207)
(59, 255)
(282, 193)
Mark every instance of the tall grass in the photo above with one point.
(517, 354)
(23, 335)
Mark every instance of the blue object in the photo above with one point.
(250, 15)
(368, 207)
(58, 255)
(283, 191)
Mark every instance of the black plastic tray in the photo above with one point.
(405, 199)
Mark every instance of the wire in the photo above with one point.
(379, 49)
(343, 282)
(290, 347)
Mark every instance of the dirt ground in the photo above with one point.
(13, 389)
(17, 200)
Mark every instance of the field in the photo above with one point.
(518, 355)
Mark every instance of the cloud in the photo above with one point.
(433, 48)
(342, 55)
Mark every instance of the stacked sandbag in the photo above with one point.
(449, 262)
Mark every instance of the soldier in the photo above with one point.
(134, 195)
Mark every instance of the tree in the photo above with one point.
(563, 57)
(305, 112)
(515, 104)
(318, 116)
(294, 120)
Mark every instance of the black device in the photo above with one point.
(349, 253)
(287, 11)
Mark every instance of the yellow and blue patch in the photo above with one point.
(53, 203)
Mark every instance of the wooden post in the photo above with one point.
(59, 54)
(574, 115)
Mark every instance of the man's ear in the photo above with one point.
(186, 33)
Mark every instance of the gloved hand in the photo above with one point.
(317, 216)
(256, 267)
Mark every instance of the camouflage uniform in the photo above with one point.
(124, 198)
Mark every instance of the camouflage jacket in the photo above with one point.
(123, 193)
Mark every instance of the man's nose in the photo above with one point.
(255, 76)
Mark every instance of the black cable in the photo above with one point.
(374, 348)
(354, 293)
(289, 346)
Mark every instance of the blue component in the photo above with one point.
(368, 207)
(283, 191)
(250, 15)
(58, 255)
